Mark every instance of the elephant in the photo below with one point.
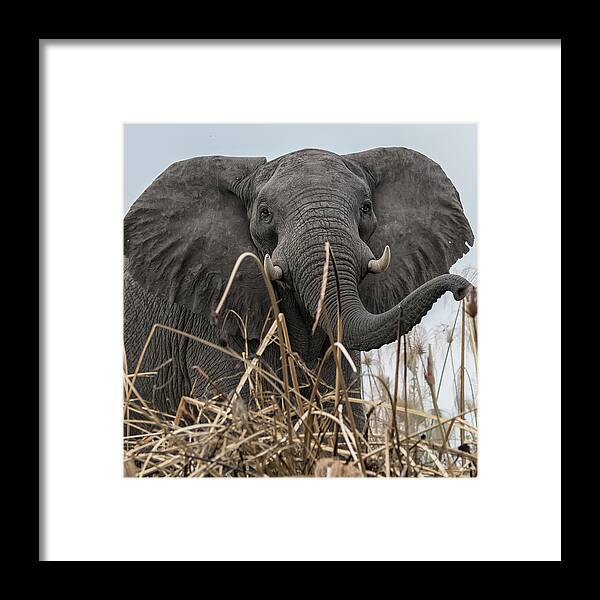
(394, 222)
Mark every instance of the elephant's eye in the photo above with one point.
(366, 208)
(265, 214)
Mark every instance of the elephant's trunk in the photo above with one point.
(362, 330)
(365, 331)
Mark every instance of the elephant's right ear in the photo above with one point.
(184, 234)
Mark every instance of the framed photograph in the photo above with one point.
(279, 290)
(235, 262)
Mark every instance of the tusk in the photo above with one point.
(381, 264)
(273, 271)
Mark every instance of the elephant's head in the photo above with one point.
(184, 234)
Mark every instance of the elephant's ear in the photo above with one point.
(184, 234)
(419, 215)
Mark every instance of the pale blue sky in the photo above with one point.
(149, 149)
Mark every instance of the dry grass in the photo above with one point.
(289, 429)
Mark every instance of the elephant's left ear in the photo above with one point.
(419, 215)
(184, 234)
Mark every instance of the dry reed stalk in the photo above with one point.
(430, 380)
(472, 310)
(462, 367)
(406, 421)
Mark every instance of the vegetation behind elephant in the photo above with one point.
(394, 222)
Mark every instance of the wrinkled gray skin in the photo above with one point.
(185, 232)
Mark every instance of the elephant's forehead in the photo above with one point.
(311, 167)
(309, 160)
